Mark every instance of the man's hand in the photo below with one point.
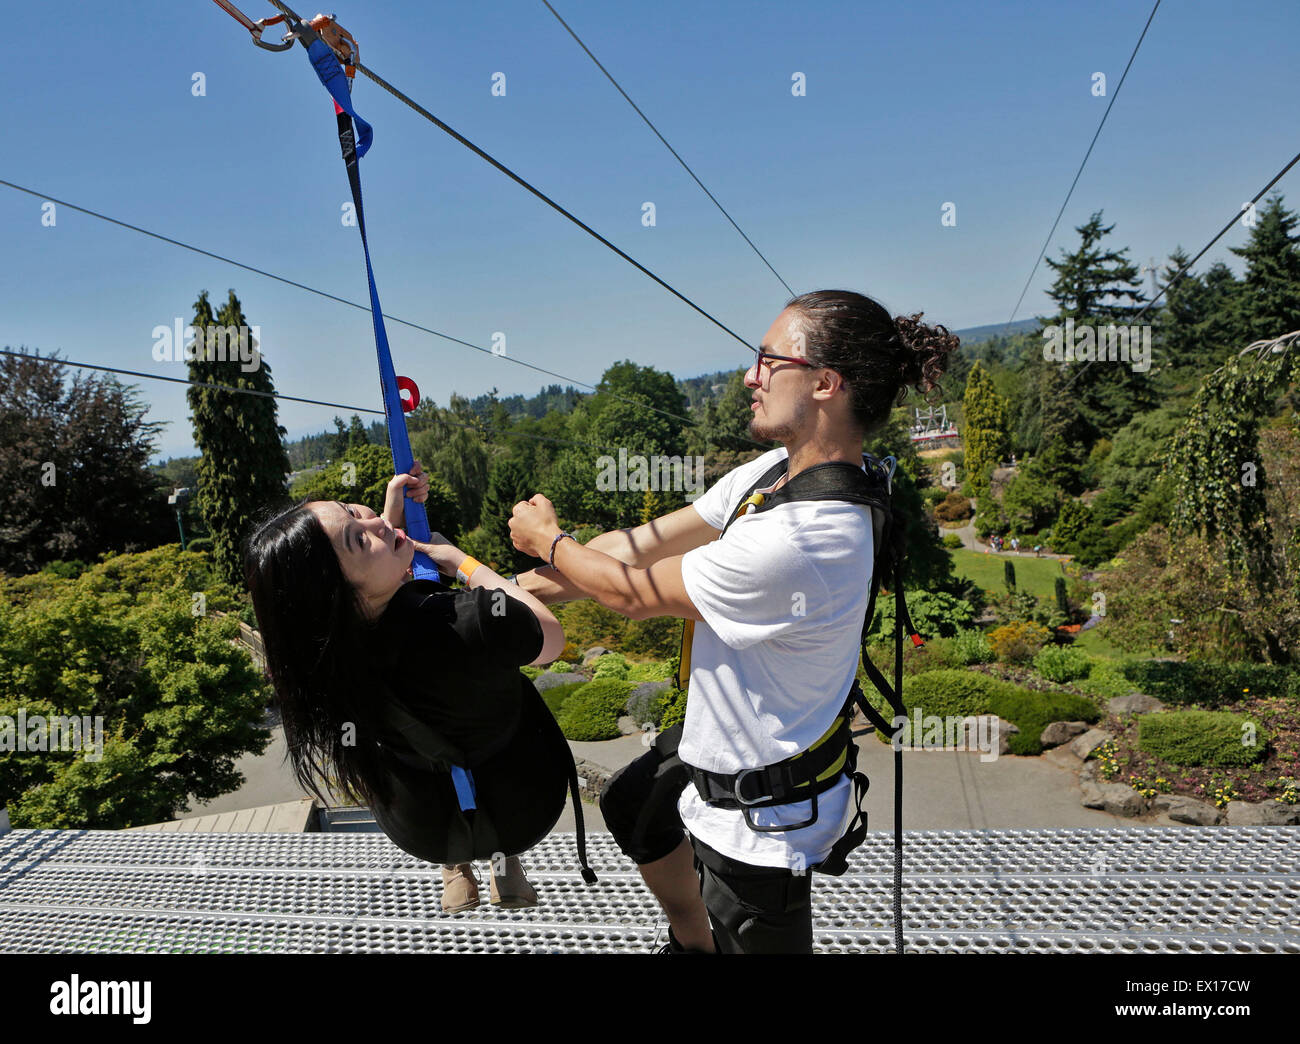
(395, 495)
(533, 525)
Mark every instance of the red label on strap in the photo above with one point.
(917, 640)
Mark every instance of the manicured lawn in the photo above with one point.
(1097, 643)
(1035, 575)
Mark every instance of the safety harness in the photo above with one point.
(803, 776)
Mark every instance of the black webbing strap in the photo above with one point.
(794, 779)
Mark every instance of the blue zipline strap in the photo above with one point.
(331, 74)
(464, 784)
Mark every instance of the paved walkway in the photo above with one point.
(942, 790)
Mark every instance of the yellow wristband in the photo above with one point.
(466, 569)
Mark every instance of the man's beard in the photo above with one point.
(783, 433)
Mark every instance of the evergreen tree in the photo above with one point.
(357, 433)
(243, 463)
(1081, 401)
(1271, 304)
(984, 435)
(509, 482)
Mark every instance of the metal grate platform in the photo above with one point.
(1153, 890)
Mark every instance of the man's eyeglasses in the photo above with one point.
(762, 353)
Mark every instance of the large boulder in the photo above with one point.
(1183, 809)
(1062, 732)
(1088, 742)
(1134, 703)
(1263, 813)
(1115, 798)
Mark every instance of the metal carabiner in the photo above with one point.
(286, 42)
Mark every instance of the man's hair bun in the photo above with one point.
(924, 357)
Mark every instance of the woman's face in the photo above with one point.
(375, 557)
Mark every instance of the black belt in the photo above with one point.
(798, 778)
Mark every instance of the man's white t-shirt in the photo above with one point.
(782, 595)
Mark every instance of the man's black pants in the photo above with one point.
(753, 909)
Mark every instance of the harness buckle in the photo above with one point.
(741, 776)
(745, 811)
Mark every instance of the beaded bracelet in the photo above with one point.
(558, 538)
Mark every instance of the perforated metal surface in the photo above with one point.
(1193, 889)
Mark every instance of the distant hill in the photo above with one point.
(976, 334)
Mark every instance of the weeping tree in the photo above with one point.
(1233, 536)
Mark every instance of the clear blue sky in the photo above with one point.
(908, 106)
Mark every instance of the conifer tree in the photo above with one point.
(1082, 401)
(1271, 303)
(984, 436)
(243, 463)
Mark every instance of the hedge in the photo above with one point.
(592, 712)
(1032, 712)
(957, 692)
(1211, 684)
(556, 696)
(1198, 737)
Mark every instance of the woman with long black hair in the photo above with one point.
(384, 682)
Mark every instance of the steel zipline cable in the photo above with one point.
(686, 166)
(488, 436)
(415, 106)
(342, 300)
(1047, 242)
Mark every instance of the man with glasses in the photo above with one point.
(776, 607)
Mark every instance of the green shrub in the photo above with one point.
(948, 692)
(953, 508)
(935, 613)
(555, 696)
(531, 672)
(1018, 642)
(1211, 684)
(937, 654)
(674, 708)
(966, 693)
(611, 665)
(952, 541)
(593, 711)
(1106, 680)
(972, 646)
(1062, 664)
(1032, 712)
(1197, 737)
(659, 670)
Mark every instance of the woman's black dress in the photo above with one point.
(451, 659)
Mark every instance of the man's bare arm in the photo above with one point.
(639, 546)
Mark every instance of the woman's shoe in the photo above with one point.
(511, 889)
(459, 888)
